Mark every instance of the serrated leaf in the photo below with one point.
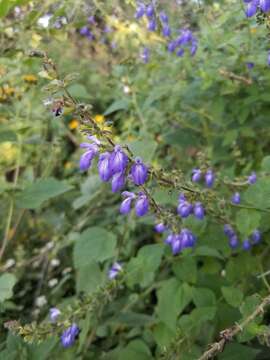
(35, 194)
(94, 244)
(232, 295)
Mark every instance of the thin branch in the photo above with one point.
(227, 335)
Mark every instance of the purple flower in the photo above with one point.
(250, 65)
(209, 178)
(228, 230)
(87, 157)
(196, 175)
(150, 11)
(252, 178)
(256, 236)
(114, 270)
(139, 172)
(163, 17)
(160, 228)
(141, 205)
(145, 55)
(152, 25)
(236, 198)
(185, 37)
(251, 8)
(180, 52)
(54, 313)
(140, 11)
(198, 210)
(118, 160)
(181, 197)
(84, 31)
(104, 166)
(193, 49)
(265, 5)
(184, 209)
(176, 244)
(166, 31)
(233, 242)
(246, 245)
(187, 238)
(118, 182)
(91, 20)
(125, 207)
(69, 335)
(172, 46)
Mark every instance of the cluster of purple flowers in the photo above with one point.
(186, 39)
(178, 242)
(252, 6)
(141, 203)
(86, 30)
(70, 334)
(209, 177)
(254, 239)
(185, 208)
(113, 165)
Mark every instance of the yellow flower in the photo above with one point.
(253, 30)
(99, 118)
(32, 79)
(73, 124)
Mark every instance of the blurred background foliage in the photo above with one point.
(56, 220)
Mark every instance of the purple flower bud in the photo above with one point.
(209, 178)
(181, 197)
(233, 242)
(193, 49)
(114, 270)
(150, 11)
(118, 160)
(187, 238)
(84, 31)
(118, 182)
(236, 198)
(152, 25)
(104, 167)
(265, 5)
(169, 239)
(176, 244)
(140, 11)
(185, 37)
(198, 210)
(252, 178)
(228, 230)
(91, 20)
(160, 228)
(163, 17)
(54, 313)
(69, 335)
(196, 175)
(145, 55)
(86, 160)
(250, 65)
(184, 209)
(125, 207)
(172, 46)
(166, 31)
(139, 172)
(256, 236)
(246, 245)
(180, 52)
(141, 205)
(251, 8)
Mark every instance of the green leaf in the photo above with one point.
(8, 135)
(35, 194)
(247, 221)
(203, 297)
(88, 278)
(207, 251)
(79, 91)
(258, 194)
(235, 351)
(185, 269)
(173, 297)
(135, 350)
(7, 282)
(117, 105)
(141, 269)
(232, 295)
(265, 165)
(94, 244)
(162, 334)
(144, 148)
